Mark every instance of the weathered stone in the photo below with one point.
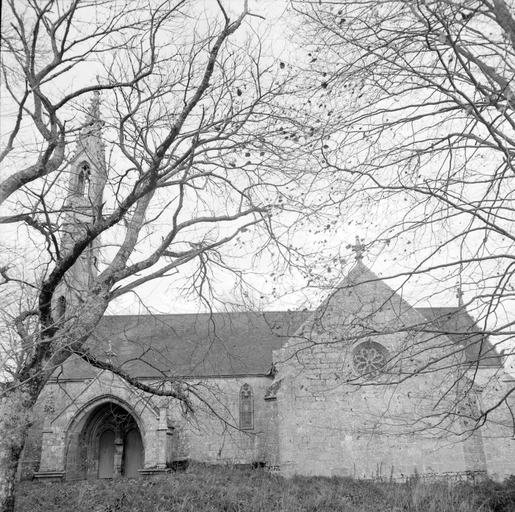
(321, 411)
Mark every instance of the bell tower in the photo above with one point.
(87, 176)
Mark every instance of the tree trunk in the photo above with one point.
(16, 405)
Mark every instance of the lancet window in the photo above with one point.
(83, 180)
(246, 407)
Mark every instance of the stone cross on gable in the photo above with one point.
(110, 352)
(359, 248)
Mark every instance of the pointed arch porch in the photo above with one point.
(104, 439)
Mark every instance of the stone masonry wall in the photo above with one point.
(168, 432)
(498, 433)
(202, 436)
(334, 421)
(272, 456)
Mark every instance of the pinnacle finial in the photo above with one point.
(90, 135)
(359, 248)
(93, 115)
(459, 295)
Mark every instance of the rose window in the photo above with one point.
(369, 359)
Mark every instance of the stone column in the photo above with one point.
(118, 455)
(164, 433)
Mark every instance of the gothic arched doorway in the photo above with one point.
(105, 443)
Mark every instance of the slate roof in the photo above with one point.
(191, 345)
(229, 344)
(461, 328)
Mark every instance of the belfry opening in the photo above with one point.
(105, 442)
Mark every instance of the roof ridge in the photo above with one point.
(207, 313)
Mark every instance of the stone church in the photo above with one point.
(365, 386)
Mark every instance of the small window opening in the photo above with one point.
(83, 181)
(246, 408)
(61, 307)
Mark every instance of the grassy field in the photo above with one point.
(215, 488)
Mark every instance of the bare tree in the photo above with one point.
(419, 134)
(193, 123)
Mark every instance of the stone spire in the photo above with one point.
(87, 177)
(90, 137)
(93, 115)
(88, 166)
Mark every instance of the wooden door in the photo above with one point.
(133, 451)
(106, 454)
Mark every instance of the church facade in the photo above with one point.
(365, 386)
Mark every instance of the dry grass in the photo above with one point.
(216, 488)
